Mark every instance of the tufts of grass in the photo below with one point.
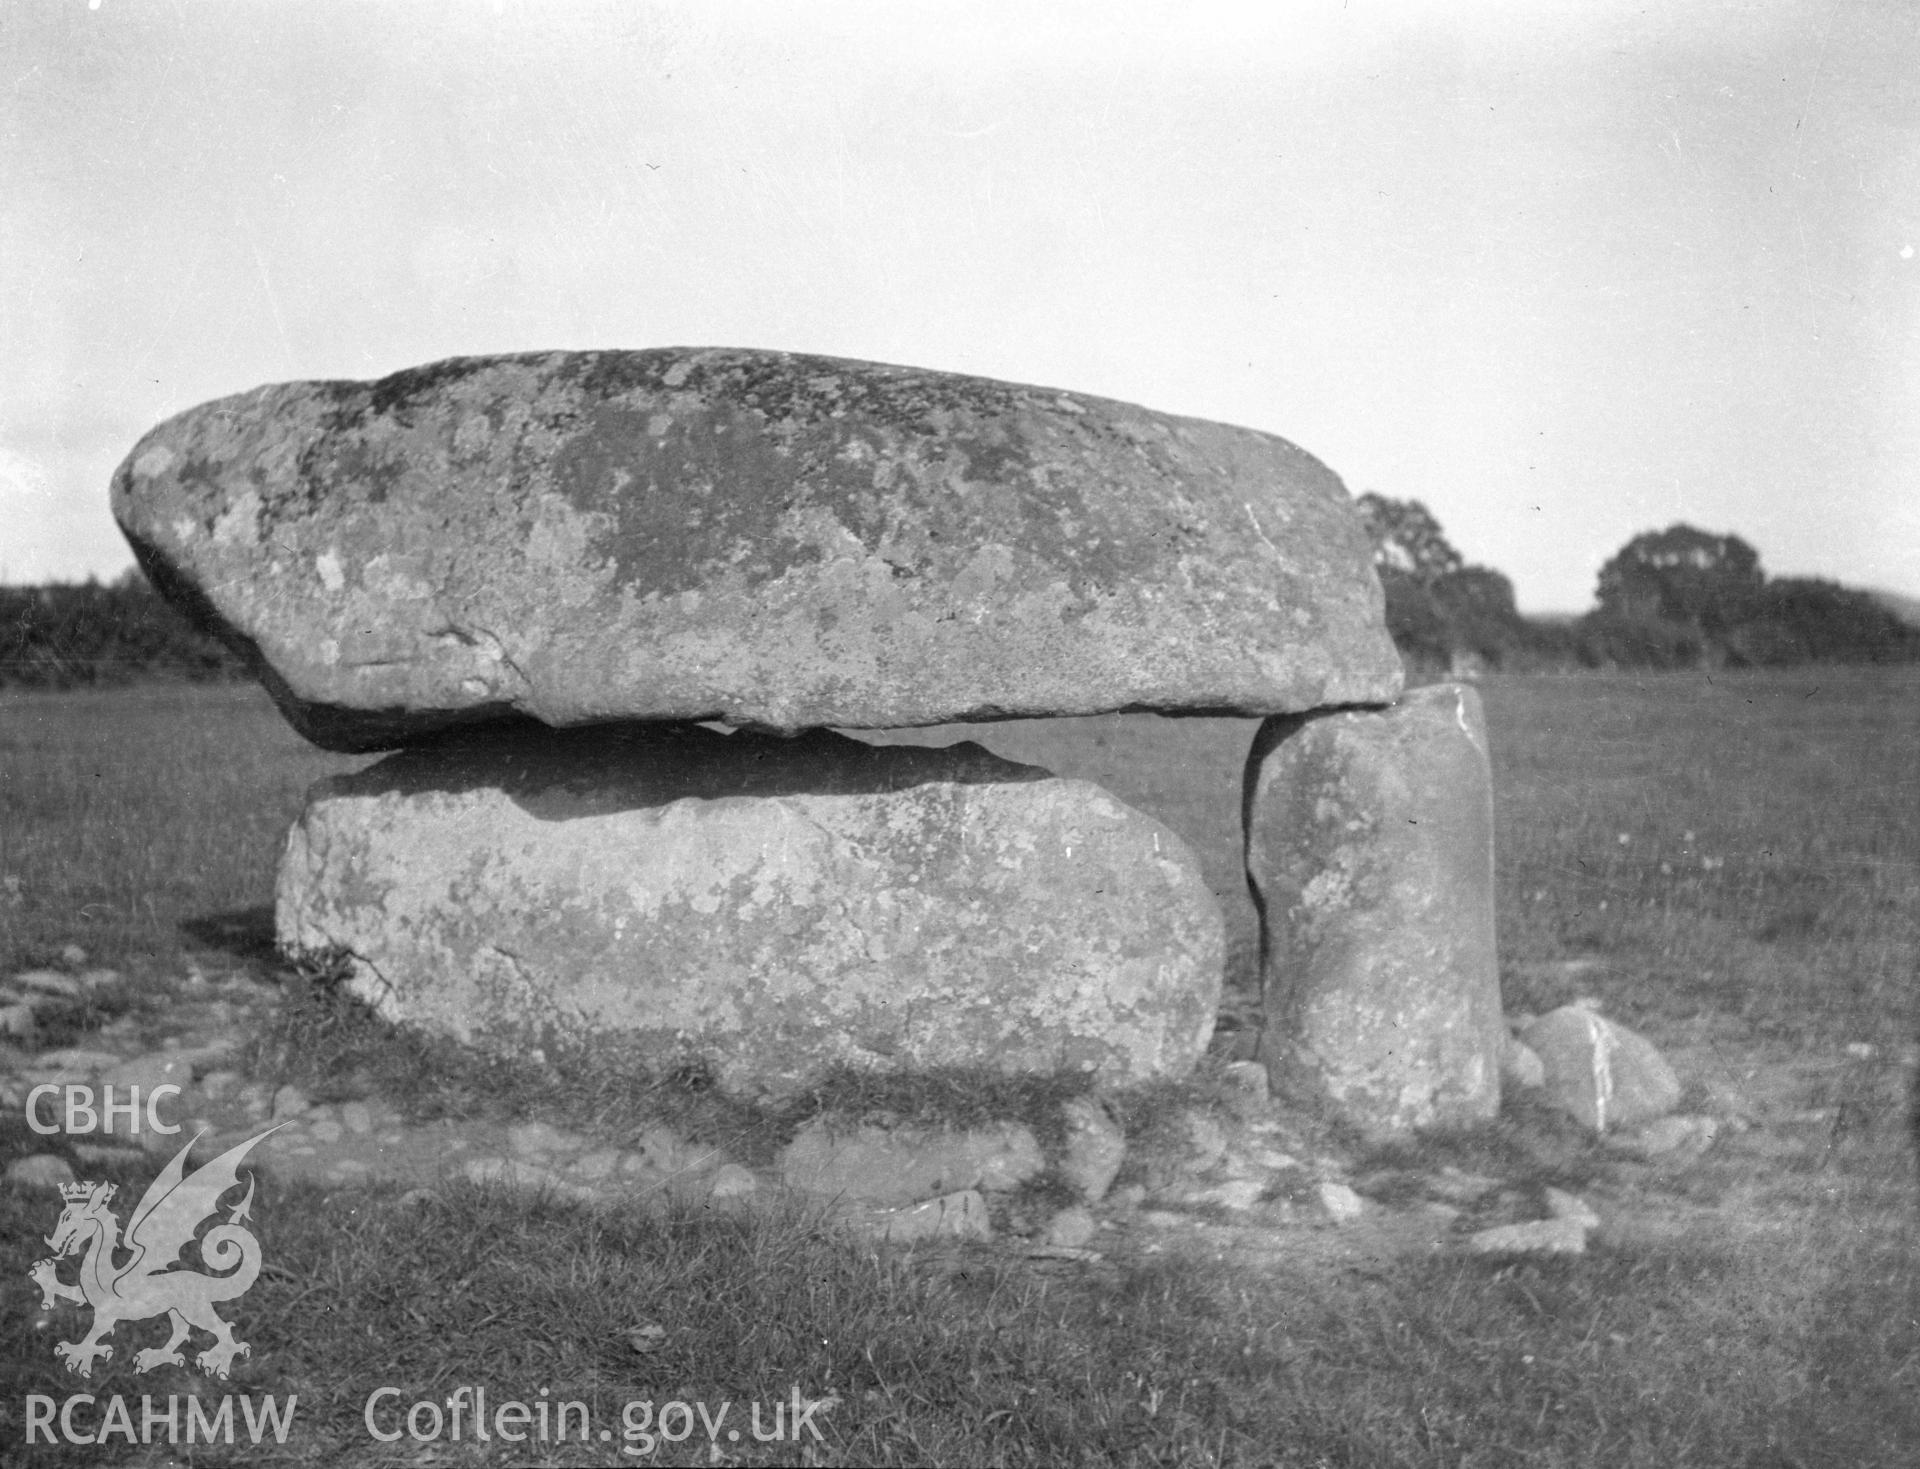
(1530, 1144)
(71, 1021)
(1734, 843)
(333, 1046)
(1639, 1355)
(944, 1097)
(1768, 880)
(124, 812)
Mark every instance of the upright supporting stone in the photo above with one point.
(1370, 854)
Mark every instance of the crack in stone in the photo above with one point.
(491, 650)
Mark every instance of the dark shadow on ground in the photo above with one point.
(245, 933)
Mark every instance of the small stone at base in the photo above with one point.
(731, 1181)
(1541, 1237)
(1340, 1202)
(1563, 1205)
(597, 1164)
(48, 981)
(961, 1215)
(42, 1169)
(106, 1153)
(1070, 1229)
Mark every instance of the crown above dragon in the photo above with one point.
(75, 1193)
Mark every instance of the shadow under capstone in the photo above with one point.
(639, 766)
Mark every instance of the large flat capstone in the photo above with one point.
(765, 908)
(773, 540)
(1370, 846)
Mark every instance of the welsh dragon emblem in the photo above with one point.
(160, 1227)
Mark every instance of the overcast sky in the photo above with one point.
(1563, 272)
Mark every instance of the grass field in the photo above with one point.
(1738, 854)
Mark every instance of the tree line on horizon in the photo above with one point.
(1674, 598)
(1677, 598)
(80, 634)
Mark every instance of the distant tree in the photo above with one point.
(1681, 596)
(1808, 620)
(1635, 640)
(66, 635)
(1416, 624)
(1477, 591)
(1682, 575)
(1440, 610)
(1407, 539)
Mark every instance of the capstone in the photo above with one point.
(763, 538)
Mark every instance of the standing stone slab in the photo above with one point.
(772, 540)
(764, 907)
(1370, 852)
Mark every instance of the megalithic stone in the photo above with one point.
(1370, 854)
(767, 908)
(778, 541)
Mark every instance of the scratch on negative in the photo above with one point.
(1602, 1040)
(1256, 528)
(1460, 714)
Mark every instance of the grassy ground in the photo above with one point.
(1741, 844)
(125, 814)
(1737, 855)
